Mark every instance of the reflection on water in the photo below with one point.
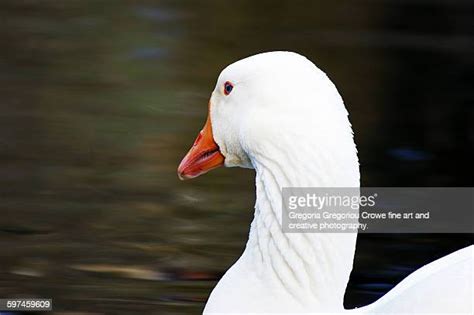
(101, 99)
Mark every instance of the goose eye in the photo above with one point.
(228, 88)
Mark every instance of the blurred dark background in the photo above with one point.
(100, 100)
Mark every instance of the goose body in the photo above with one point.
(280, 115)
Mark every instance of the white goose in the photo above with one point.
(279, 114)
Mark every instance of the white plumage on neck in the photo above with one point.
(281, 272)
(305, 269)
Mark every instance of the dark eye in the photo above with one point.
(228, 88)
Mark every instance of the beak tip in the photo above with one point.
(181, 174)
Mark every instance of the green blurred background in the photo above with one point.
(101, 99)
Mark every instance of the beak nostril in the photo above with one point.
(198, 138)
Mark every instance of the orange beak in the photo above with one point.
(203, 156)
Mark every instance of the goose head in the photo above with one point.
(274, 107)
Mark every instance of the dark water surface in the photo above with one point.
(100, 100)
